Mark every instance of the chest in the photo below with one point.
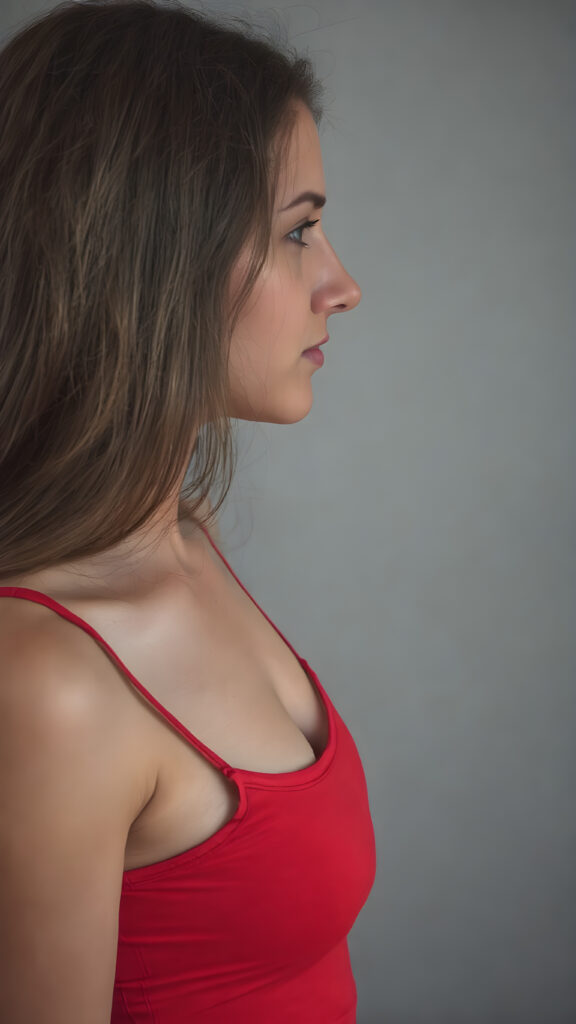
(210, 657)
(201, 648)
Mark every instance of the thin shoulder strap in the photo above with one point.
(25, 593)
(261, 610)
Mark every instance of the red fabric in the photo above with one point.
(250, 927)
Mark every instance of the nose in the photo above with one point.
(353, 294)
(346, 290)
(343, 293)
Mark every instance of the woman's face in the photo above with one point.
(298, 289)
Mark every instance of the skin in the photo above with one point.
(297, 291)
(80, 761)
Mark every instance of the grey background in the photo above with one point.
(414, 535)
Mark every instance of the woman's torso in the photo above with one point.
(204, 650)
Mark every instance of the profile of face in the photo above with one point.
(302, 284)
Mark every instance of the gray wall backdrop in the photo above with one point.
(414, 535)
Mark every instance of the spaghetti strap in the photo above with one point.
(28, 594)
(249, 924)
(224, 766)
(261, 610)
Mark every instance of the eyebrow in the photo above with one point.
(315, 198)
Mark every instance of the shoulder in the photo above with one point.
(66, 795)
(61, 710)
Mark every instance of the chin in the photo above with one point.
(277, 417)
(292, 416)
(290, 408)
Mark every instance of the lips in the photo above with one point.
(318, 343)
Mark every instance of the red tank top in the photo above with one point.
(251, 925)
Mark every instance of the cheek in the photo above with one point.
(269, 323)
(272, 328)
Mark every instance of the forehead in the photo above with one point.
(303, 168)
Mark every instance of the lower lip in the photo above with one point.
(315, 356)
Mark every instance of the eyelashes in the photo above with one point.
(302, 227)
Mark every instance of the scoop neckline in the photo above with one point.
(243, 778)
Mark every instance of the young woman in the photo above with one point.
(184, 821)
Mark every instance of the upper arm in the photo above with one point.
(64, 818)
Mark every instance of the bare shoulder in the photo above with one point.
(38, 665)
(55, 700)
(57, 691)
(66, 796)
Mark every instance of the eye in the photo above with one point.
(306, 224)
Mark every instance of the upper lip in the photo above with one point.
(323, 342)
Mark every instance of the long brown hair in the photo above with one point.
(140, 150)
